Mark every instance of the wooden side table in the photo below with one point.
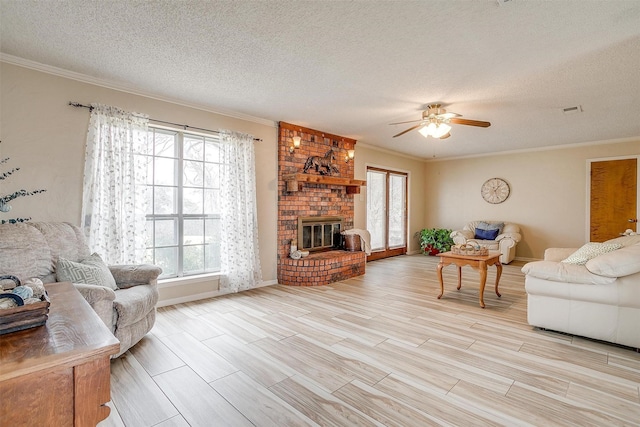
(58, 374)
(477, 262)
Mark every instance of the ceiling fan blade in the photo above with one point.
(410, 129)
(446, 135)
(468, 122)
(401, 123)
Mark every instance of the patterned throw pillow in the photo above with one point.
(90, 271)
(590, 251)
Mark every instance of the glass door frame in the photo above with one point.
(388, 251)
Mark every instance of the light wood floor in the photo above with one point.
(375, 350)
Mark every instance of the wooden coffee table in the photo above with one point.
(478, 262)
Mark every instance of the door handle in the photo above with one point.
(633, 220)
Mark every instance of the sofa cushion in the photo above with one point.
(590, 250)
(622, 262)
(25, 253)
(64, 240)
(90, 271)
(564, 272)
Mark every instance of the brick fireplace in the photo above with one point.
(314, 195)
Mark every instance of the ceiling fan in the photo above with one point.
(435, 122)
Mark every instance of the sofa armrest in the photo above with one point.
(100, 298)
(558, 254)
(562, 272)
(131, 275)
(460, 237)
(516, 237)
(95, 293)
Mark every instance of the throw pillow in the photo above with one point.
(590, 250)
(90, 271)
(486, 226)
(486, 234)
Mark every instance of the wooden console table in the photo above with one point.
(58, 374)
(477, 262)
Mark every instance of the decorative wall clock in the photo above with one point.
(495, 190)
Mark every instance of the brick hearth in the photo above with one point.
(322, 268)
(313, 199)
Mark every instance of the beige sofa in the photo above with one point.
(505, 241)
(599, 300)
(33, 249)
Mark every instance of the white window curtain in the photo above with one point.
(113, 206)
(240, 260)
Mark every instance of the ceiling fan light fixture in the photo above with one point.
(425, 131)
(435, 130)
(435, 123)
(441, 130)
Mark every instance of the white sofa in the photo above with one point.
(599, 300)
(505, 241)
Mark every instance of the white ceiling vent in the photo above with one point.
(572, 110)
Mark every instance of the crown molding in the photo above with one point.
(48, 69)
(500, 153)
(538, 149)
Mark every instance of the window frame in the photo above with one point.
(388, 249)
(209, 238)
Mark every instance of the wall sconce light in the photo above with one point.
(350, 155)
(296, 144)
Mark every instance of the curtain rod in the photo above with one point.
(77, 104)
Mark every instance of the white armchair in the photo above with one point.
(493, 235)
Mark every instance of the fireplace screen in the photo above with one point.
(319, 232)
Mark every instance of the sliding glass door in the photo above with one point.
(386, 212)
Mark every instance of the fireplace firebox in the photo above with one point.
(319, 233)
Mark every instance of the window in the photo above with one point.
(183, 218)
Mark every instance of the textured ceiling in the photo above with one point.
(352, 67)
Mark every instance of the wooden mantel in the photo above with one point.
(293, 181)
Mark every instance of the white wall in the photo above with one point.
(46, 138)
(548, 193)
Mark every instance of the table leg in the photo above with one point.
(483, 280)
(498, 274)
(459, 277)
(439, 268)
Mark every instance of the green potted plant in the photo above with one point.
(435, 240)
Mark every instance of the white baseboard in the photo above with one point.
(205, 295)
(189, 298)
(267, 283)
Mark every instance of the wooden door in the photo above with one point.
(613, 198)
